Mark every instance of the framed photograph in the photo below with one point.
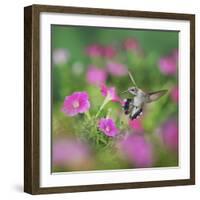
(109, 99)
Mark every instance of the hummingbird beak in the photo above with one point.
(124, 92)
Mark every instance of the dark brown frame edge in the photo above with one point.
(32, 107)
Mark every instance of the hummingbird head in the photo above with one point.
(133, 90)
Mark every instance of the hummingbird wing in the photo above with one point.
(154, 96)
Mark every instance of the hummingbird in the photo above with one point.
(134, 106)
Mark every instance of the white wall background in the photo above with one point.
(11, 100)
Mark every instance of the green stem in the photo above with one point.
(108, 113)
(106, 100)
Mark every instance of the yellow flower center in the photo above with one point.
(75, 104)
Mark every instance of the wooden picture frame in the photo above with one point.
(32, 106)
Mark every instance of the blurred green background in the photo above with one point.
(69, 74)
(77, 38)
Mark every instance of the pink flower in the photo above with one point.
(136, 125)
(138, 150)
(174, 94)
(76, 103)
(169, 134)
(94, 50)
(108, 127)
(131, 44)
(109, 51)
(117, 69)
(168, 64)
(96, 75)
(110, 93)
(69, 153)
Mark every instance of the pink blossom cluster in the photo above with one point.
(138, 150)
(168, 64)
(97, 50)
